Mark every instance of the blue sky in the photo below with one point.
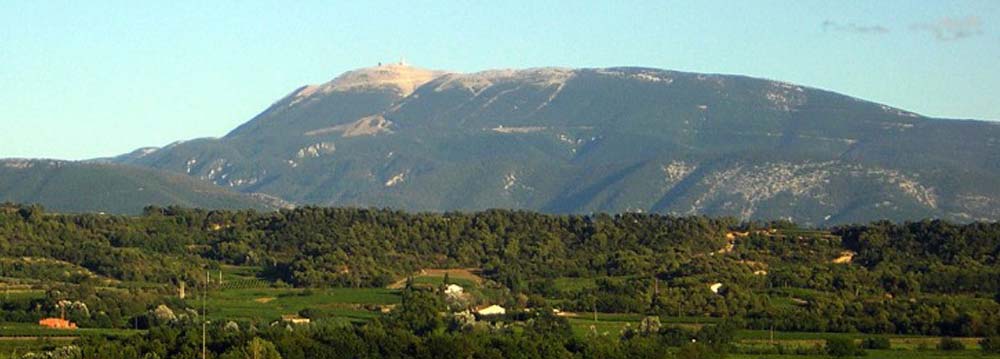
(85, 79)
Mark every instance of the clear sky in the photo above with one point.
(84, 79)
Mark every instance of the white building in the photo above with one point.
(715, 287)
(453, 290)
(491, 310)
(294, 319)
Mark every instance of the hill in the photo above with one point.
(93, 187)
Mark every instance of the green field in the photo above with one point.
(14, 348)
(465, 277)
(903, 346)
(269, 304)
(880, 354)
(25, 337)
(583, 327)
(34, 330)
(437, 280)
(245, 296)
(22, 294)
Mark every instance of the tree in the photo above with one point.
(418, 312)
(990, 345)
(256, 348)
(698, 351)
(549, 326)
(718, 336)
(950, 344)
(650, 325)
(842, 348)
(876, 343)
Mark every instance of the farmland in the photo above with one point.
(356, 305)
(311, 278)
(245, 297)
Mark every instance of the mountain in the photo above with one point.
(93, 187)
(600, 140)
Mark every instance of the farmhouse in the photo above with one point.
(453, 291)
(294, 319)
(57, 323)
(845, 257)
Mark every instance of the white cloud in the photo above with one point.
(949, 28)
(830, 25)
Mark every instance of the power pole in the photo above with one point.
(595, 309)
(204, 320)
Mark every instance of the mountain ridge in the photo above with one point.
(600, 140)
(77, 186)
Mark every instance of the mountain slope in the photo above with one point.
(588, 140)
(91, 187)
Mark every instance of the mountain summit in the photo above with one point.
(600, 140)
(399, 76)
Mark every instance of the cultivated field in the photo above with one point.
(245, 297)
(465, 277)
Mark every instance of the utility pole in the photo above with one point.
(204, 320)
(594, 302)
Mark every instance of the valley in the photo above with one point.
(489, 180)
(626, 283)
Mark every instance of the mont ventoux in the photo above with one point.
(555, 140)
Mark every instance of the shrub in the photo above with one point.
(990, 345)
(698, 351)
(313, 313)
(842, 348)
(875, 343)
(280, 284)
(950, 344)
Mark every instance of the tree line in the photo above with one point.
(927, 277)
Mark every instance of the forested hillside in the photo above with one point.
(927, 277)
(76, 187)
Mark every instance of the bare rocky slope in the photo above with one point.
(600, 140)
